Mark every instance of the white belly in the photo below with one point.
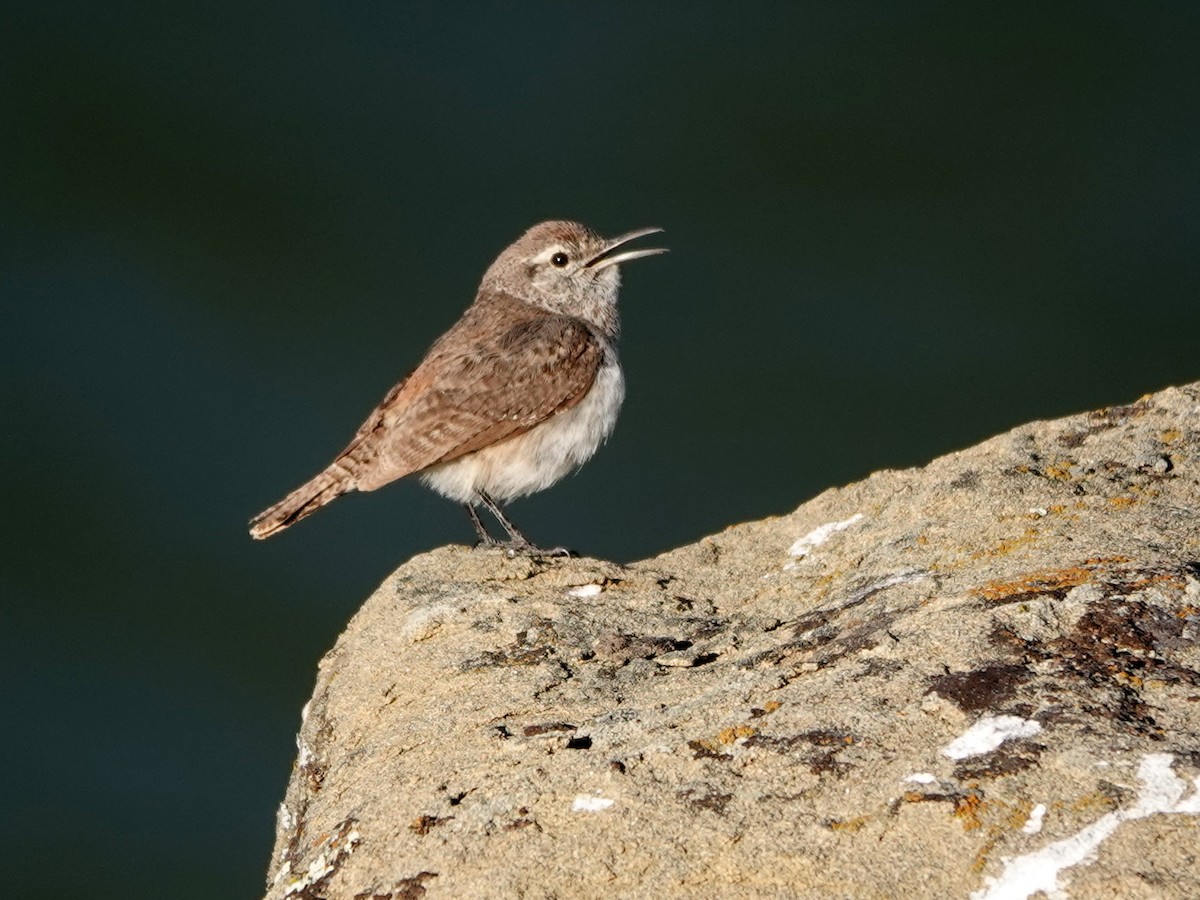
(541, 456)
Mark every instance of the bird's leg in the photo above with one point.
(517, 542)
(515, 537)
(485, 539)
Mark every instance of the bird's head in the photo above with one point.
(567, 268)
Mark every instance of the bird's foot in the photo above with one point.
(513, 549)
(552, 552)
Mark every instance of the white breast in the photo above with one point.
(541, 456)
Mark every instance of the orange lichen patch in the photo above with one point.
(422, 825)
(850, 825)
(1011, 817)
(1008, 546)
(1048, 580)
(717, 744)
(1037, 583)
(1188, 611)
(1093, 802)
(1170, 436)
(767, 708)
(980, 861)
(1166, 579)
(723, 738)
(1060, 469)
(968, 808)
(1122, 501)
(1018, 815)
(729, 735)
(820, 587)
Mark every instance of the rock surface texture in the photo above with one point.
(980, 678)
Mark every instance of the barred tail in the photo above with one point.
(303, 501)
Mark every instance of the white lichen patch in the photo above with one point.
(303, 754)
(585, 590)
(906, 577)
(317, 869)
(335, 851)
(584, 803)
(1162, 793)
(989, 733)
(819, 535)
(920, 778)
(284, 819)
(1033, 824)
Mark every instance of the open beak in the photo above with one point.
(606, 257)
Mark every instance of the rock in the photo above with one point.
(978, 678)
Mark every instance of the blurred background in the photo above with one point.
(227, 229)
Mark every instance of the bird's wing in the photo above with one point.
(478, 386)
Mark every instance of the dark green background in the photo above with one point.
(226, 230)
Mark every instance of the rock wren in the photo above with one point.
(521, 391)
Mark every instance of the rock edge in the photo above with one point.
(976, 678)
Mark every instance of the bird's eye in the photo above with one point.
(559, 260)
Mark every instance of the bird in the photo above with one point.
(520, 392)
